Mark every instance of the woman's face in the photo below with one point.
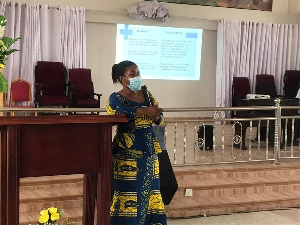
(131, 72)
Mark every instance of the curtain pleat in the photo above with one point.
(246, 49)
(2, 7)
(50, 34)
(298, 49)
(31, 51)
(73, 46)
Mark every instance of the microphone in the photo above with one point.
(146, 96)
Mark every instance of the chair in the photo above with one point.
(51, 88)
(291, 81)
(265, 85)
(83, 89)
(240, 89)
(20, 91)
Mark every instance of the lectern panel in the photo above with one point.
(47, 150)
(57, 145)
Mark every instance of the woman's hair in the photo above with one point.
(119, 69)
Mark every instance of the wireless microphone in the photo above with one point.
(146, 96)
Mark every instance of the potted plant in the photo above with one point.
(5, 44)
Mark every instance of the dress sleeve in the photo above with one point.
(161, 119)
(115, 106)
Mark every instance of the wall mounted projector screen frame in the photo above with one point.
(161, 52)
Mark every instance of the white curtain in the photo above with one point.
(72, 26)
(31, 51)
(48, 34)
(249, 48)
(2, 7)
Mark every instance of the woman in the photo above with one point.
(137, 199)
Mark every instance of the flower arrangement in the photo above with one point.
(5, 44)
(50, 216)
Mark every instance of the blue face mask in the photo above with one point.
(135, 83)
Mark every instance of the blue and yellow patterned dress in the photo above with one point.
(137, 199)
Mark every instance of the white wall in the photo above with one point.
(101, 57)
(102, 16)
(169, 94)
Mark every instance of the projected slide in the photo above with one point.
(161, 52)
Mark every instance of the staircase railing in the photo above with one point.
(266, 139)
(222, 139)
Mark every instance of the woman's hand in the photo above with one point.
(151, 111)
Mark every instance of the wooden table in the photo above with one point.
(57, 145)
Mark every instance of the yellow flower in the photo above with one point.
(44, 212)
(54, 216)
(44, 218)
(52, 210)
(1, 65)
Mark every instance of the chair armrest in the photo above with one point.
(98, 95)
(38, 84)
(69, 88)
(38, 88)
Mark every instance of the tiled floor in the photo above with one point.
(276, 217)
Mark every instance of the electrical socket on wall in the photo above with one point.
(188, 192)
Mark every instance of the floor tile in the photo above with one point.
(276, 217)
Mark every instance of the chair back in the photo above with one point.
(240, 87)
(81, 80)
(264, 79)
(20, 90)
(52, 75)
(291, 81)
(265, 84)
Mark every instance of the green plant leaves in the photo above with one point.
(3, 84)
(2, 21)
(5, 44)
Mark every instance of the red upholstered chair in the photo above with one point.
(291, 81)
(51, 88)
(265, 85)
(20, 91)
(83, 89)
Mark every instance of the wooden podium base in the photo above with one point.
(57, 145)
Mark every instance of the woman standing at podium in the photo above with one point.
(137, 199)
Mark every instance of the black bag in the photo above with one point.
(168, 183)
(209, 132)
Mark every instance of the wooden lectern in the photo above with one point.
(57, 145)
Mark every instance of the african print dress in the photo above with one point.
(137, 199)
